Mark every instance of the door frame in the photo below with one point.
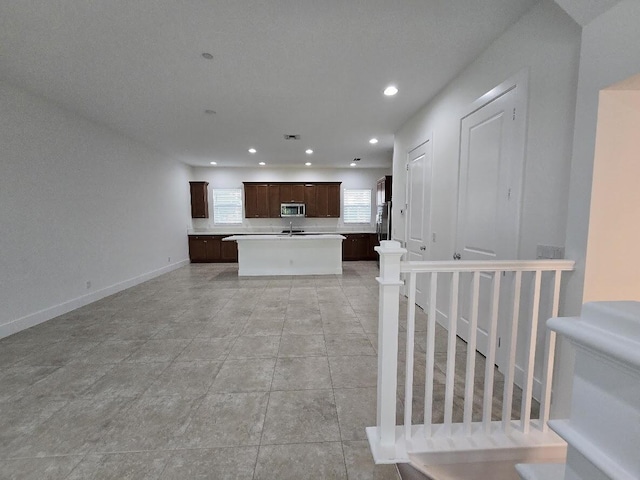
(428, 144)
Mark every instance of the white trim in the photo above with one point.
(444, 448)
(41, 316)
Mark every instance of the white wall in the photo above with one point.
(233, 177)
(79, 203)
(547, 43)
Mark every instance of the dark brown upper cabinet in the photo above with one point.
(263, 200)
(256, 200)
(311, 209)
(328, 200)
(292, 193)
(199, 200)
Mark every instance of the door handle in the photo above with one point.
(423, 248)
(457, 256)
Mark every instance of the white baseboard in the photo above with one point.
(518, 379)
(19, 324)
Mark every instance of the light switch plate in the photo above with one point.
(549, 252)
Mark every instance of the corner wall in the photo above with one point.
(608, 56)
(79, 203)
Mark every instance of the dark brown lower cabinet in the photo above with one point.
(359, 246)
(211, 248)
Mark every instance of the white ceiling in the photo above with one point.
(311, 67)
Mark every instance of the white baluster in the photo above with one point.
(451, 351)
(527, 391)
(431, 347)
(549, 357)
(507, 401)
(408, 379)
(471, 354)
(491, 353)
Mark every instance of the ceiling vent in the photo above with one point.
(356, 159)
(291, 137)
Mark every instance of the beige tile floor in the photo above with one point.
(201, 374)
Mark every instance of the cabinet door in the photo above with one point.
(199, 200)
(229, 252)
(361, 245)
(197, 249)
(213, 248)
(274, 200)
(328, 200)
(350, 248)
(373, 242)
(298, 193)
(322, 200)
(333, 207)
(310, 200)
(256, 201)
(285, 194)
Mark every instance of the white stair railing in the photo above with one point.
(391, 443)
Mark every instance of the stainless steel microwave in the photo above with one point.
(292, 210)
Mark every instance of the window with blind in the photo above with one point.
(227, 205)
(357, 206)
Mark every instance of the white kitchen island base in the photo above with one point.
(288, 255)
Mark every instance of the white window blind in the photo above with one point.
(357, 206)
(227, 205)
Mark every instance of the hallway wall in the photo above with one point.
(545, 42)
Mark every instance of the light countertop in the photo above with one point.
(268, 234)
(286, 236)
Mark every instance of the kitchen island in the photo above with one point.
(307, 254)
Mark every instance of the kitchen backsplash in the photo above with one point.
(276, 225)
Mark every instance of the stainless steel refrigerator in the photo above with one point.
(383, 221)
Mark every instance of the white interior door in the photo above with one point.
(491, 160)
(419, 212)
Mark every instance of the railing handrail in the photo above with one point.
(450, 266)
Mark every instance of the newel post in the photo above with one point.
(390, 283)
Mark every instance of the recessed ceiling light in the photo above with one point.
(213, 163)
(208, 56)
(252, 150)
(210, 112)
(352, 164)
(390, 91)
(308, 164)
(373, 141)
(308, 151)
(261, 163)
